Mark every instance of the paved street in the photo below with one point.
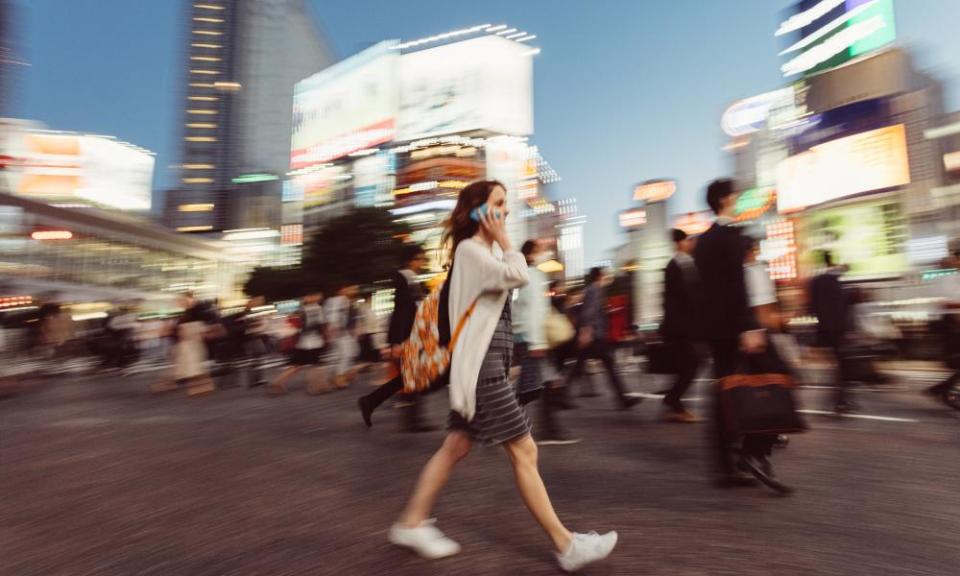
(98, 477)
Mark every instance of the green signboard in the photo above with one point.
(824, 40)
(868, 237)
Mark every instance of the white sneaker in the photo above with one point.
(585, 549)
(426, 540)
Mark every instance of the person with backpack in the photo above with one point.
(485, 268)
(407, 294)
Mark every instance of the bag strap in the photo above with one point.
(461, 324)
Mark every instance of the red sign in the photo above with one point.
(344, 144)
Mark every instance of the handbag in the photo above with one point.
(759, 398)
(559, 330)
(661, 358)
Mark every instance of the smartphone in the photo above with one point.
(479, 212)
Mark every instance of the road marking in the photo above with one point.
(659, 396)
(861, 416)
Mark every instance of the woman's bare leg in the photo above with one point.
(434, 477)
(523, 456)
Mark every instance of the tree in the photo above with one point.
(276, 283)
(361, 247)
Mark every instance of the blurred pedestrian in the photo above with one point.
(537, 376)
(309, 348)
(726, 322)
(948, 326)
(121, 333)
(830, 305)
(190, 350)
(341, 318)
(407, 294)
(592, 337)
(485, 407)
(681, 302)
(247, 345)
(562, 339)
(765, 307)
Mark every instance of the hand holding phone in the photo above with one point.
(492, 220)
(478, 213)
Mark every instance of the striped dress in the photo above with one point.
(499, 417)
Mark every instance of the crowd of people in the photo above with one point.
(516, 340)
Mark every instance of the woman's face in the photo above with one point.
(498, 200)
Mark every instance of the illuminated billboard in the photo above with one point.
(633, 218)
(694, 223)
(484, 83)
(67, 167)
(750, 115)
(347, 107)
(654, 191)
(873, 160)
(830, 33)
(870, 238)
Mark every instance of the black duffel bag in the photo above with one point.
(760, 398)
(661, 358)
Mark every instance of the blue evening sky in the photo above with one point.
(626, 90)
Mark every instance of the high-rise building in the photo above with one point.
(242, 60)
(10, 60)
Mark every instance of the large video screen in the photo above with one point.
(865, 162)
(480, 84)
(870, 238)
(350, 106)
(71, 167)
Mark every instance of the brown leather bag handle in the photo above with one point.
(461, 324)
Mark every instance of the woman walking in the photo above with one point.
(190, 351)
(309, 347)
(484, 405)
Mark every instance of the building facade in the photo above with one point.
(242, 60)
(11, 62)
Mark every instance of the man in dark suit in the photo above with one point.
(681, 301)
(727, 323)
(828, 303)
(407, 293)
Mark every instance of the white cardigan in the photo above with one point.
(478, 272)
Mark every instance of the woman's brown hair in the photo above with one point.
(459, 226)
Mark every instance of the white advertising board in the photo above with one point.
(479, 84)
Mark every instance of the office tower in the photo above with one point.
(10, 60)
(242, 60)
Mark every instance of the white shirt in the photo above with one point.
(338, 313)
(530, 312)
(485, 277)
(760, 288)
(311, 339)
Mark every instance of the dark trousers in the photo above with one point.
(946, 385)
(687, 361)
(600, 350)
(833, 341)
(550, 395)
(411, 415)
(726, 355)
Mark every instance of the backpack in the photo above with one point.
(425, 355)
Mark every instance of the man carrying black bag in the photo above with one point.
(681, 295)
(729, 325)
